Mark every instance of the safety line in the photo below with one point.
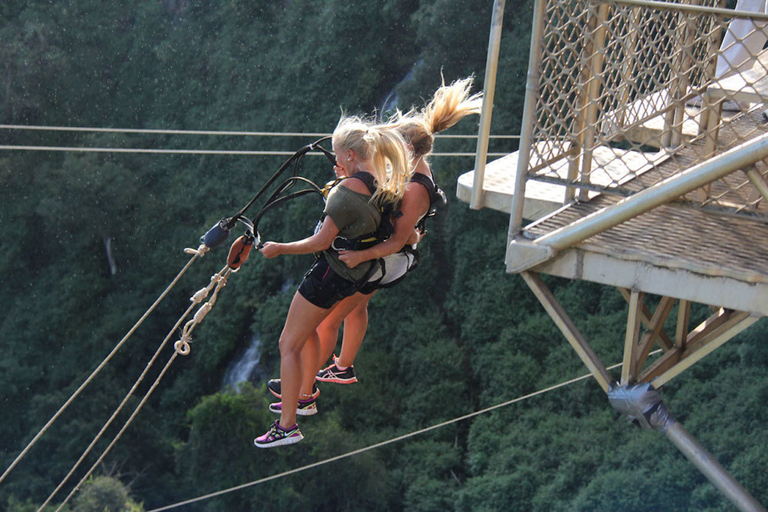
(206, 132)
(218, 282)
(142, 150)
(122, 430)
(99, 368)
(122, 404)
(160, 132)
(187, 151)
(378, 445)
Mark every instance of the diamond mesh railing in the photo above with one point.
(632, 92)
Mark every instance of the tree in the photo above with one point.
(104, 494)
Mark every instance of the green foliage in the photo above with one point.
(456, 336)
(104, 494)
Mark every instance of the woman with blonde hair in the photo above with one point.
(449, 105)
(376, 160)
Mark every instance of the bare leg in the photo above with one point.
(300, 326)
(329, 328)
(355, 326)
(328, 331)
(310, 354)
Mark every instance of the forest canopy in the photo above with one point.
(92, 238)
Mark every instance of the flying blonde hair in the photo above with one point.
(449, 105)
(386, 149)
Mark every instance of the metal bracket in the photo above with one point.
(523, 254)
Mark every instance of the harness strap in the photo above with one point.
(368, 179)
(436, 194)
(437, 197)
(384, 230)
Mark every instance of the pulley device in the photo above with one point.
(241, 248)
(238, 254)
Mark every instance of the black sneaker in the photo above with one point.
(333, 374)
(276, 389)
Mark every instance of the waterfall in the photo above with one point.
(389, 102)
(246, 367)
(110, 255)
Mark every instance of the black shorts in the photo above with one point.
(323, 287)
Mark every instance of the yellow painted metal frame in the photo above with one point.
(645, 329)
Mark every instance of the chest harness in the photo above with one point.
(388, 210)
(436, 197)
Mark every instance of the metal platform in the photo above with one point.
(676, 250)
(748, 86)
(543, 198)
(689, 226)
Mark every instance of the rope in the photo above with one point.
(379, 445)
(218, 280)
(186, 151)
(162, 132)
(122, 404)
(135, 412)
(199, 252)
(195, 132)
(143, 150)
(206, 132)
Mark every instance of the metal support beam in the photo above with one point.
(646, 317)
(642, 405)
(489, 89)
(595, 52)
(569, 330)
(674, 356)
(740, 322)
(527, 126)
(629, 368)
(683, 319)
(712, 469)
(759, 182)
(709, 335)
(655, 328)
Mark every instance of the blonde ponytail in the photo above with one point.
(391, 162)
(384, 147)
(449, 105)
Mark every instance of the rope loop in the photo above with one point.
(200, 251)
(182, 346)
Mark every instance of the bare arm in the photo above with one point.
(320, 241)
(414, 205)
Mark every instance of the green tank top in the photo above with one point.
(354, 215)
